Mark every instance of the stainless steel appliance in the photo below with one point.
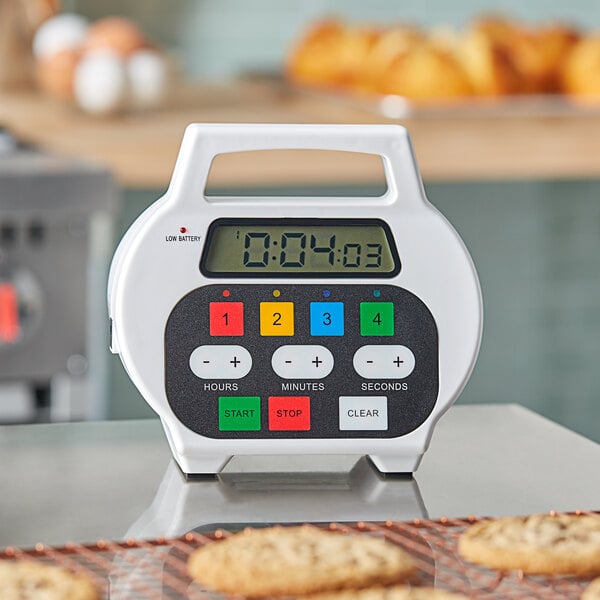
(56, 220)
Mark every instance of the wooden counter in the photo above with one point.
(140, 148)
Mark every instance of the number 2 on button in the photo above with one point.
(276, 318)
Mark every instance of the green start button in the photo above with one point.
(239, 413)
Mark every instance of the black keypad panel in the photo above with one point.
(301, 361)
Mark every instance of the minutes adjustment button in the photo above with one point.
(302, 362)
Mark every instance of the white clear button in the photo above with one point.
(363, 413)
(220, 362)
(302, 362)
(384, 362)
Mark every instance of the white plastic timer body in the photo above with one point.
(152, 271)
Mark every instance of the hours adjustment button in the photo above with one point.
(302, 362)
(220, 362)
(384, 362)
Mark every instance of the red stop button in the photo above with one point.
(289, 413)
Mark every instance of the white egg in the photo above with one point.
(100, 84)
(147, 72)
(63, 32)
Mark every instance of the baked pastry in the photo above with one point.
(487, 64)
(426, 72)
(287, 561)
(581, 70)
(592, 592)
(494, 57)
(331, 55)
(554, 44)
(34, 580)
(546, 544)
(398, 592)
(391, 45)
(536, 53)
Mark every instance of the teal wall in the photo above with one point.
(536, 246)
(220, 38)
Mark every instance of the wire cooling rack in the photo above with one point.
(152, 569)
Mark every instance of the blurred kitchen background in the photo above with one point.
(520, 181)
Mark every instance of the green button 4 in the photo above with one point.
(239, 413)
(376, 318)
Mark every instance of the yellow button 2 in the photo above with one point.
(276, 318)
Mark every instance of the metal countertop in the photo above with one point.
(115, 479)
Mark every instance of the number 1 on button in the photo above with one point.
(226, 318)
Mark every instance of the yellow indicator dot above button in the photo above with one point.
(276, 318)
(276, 293)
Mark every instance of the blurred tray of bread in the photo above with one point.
(494, 65)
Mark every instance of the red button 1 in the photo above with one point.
(289, 413)
(226, 318)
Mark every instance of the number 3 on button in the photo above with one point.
(276, 318)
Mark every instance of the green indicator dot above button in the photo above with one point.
(239, 413)
(376, 318)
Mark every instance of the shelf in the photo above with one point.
(141, 148)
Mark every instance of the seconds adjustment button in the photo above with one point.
(220, 362)
(384, 362)
(302, 362)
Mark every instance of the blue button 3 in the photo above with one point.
(327, 318)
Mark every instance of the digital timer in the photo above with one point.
(295, 325)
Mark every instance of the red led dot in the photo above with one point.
(226, 293)
(183, 230)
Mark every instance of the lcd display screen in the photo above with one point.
(306, 247)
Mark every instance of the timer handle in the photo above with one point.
(203, 142)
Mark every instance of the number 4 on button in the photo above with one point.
(376, 318)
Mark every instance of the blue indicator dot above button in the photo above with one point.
(326, 293)
(327, 318)
(376, 293)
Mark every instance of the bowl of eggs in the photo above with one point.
(102, 67)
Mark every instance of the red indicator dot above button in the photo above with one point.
(226, 318)
(226, 293)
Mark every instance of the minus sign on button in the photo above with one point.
(288, 362)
